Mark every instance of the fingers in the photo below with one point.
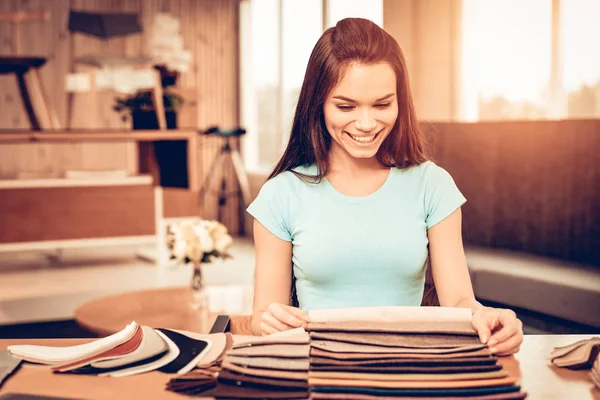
(279, 317)
(509, 346)
(270, 320)
(286, 314)
(481, 325)
(510, 326)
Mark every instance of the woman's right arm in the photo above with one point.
(272, 285)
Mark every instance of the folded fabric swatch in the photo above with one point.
(232, 377)
(224, 391)
(408, 369)
(218, 344)
(595, 372)
(314, 352)
(410, 362)
(363, 376)
(8, 365)
(432, 392)
(272, 350)
(411, 384)
(409, 340)
(247, 341)
(356, 396)
(150, 365)
(50, 355)
(191, 350)
(267, 373)
(285, 364)
(150, 346)
(437, 327)
(121, 350)
(343, 347)
(579, 355)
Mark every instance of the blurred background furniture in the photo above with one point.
(39, 109)
(133, 73)
(165, 308)
(117, 210)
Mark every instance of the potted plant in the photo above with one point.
(165, 48)
(139, 108)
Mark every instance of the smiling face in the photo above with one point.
(361, 110)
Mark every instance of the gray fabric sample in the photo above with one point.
(413, 340)
(342, 347)
(272, 350)
(286, 364)
(372, 356)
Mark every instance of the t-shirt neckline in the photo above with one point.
(360, 199)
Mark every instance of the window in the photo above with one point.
(276, 39)
(526, 60)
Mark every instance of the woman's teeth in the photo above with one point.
(363, 139)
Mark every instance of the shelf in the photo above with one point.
(97, 135)
(75, 182)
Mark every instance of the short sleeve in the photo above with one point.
(442, 196)
(271, 208)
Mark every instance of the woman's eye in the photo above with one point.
(383, 105)
(345, 108)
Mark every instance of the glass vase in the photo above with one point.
(199, 296)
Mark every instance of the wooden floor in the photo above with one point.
(39, 287)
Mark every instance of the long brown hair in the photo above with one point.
(352, 40)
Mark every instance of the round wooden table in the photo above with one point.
(157, 308)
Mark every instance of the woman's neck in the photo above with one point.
(350, 166)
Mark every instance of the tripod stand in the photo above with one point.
(219, 164)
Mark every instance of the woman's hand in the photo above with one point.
(279, 317)
(500, 329)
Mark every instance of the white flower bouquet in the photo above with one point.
(198, 241)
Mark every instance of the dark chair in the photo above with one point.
(39, 110)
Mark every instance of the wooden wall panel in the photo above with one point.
(530, 185)
(210, 32)
(76, 213)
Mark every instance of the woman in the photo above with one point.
(354, 208)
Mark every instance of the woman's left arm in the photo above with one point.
(499, 328)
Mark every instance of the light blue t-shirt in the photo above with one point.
(358, 251)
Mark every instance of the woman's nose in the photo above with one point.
(366, 122)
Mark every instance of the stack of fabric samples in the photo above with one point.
(435, 355)
(583, 354)
(267, 367)
(204, 376)
(134, 350)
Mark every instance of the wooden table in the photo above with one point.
(158, 308)
(538, 378)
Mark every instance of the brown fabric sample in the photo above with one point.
(232, 377)
(406, 377)
(506, 381)
(408, 369)
(287, 364)
(272, 350)
(267, 373)
(342, 347)
(372, 356)
(564, 350)
(437, 327)
(356, 396)
(581, 356)
(223, 391)
(323, 361)
(248, 341)
(399, 339)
